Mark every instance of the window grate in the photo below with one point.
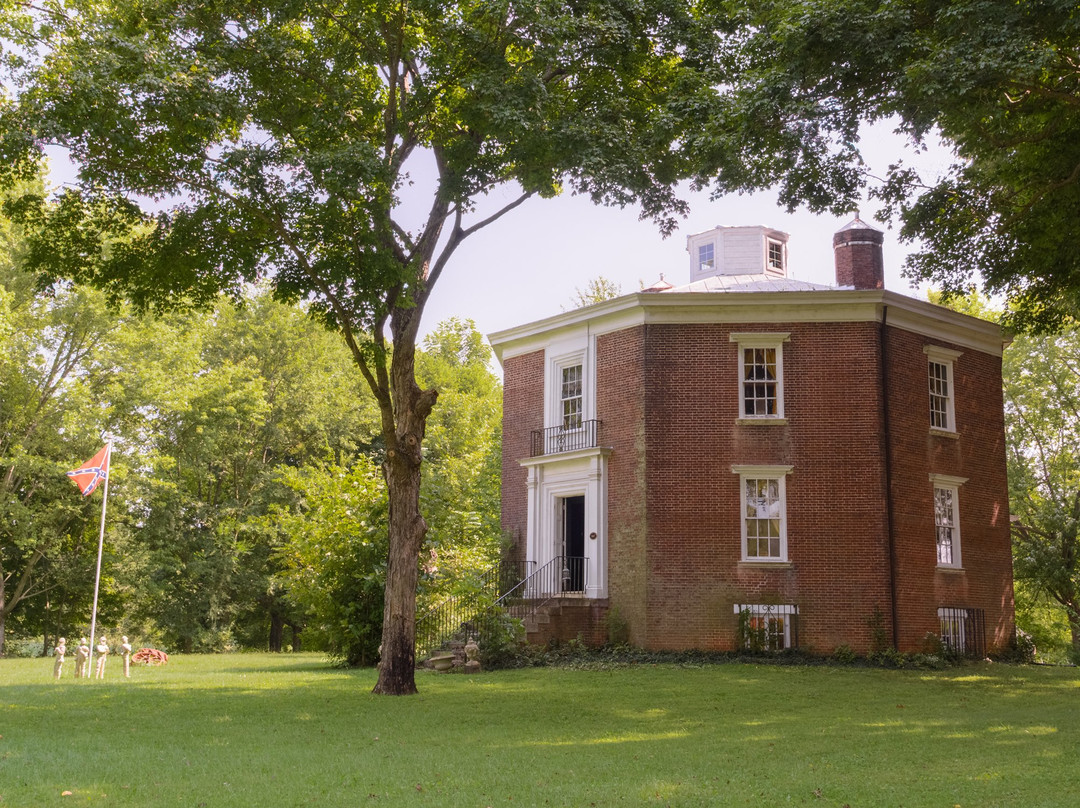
(767, 627)
(963, 631)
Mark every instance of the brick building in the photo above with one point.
(754, 459)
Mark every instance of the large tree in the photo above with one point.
(999, 82)
(276, 139)
(1042, 407)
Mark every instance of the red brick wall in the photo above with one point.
(977, 453)
(836, 519)
(620, 405)
(668, 398)
(523, 411)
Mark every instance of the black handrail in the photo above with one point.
(441, 622)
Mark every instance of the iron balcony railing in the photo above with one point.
(556, 439)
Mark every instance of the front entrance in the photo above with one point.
(573, 543)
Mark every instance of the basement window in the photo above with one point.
(767, 627)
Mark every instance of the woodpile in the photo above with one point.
(150, 656)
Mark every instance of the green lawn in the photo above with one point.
(263, 730)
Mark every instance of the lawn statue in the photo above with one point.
(82, 659)
(59, 652)
(102, 649)
(125, 652)
(472, 655)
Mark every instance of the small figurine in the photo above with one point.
(59, 652)
(102, 649)
(82, 659)
(125, 652)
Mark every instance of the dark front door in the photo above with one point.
(573, 544)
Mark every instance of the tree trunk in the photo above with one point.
(295, 629)
(397, 665)
(277, 629)
(3, 610)
(411, 407)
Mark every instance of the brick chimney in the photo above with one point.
(859, 262)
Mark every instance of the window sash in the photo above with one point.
(946, 526)
(940, 395)
(763, 515)
(775, 255)
(706, 257)
(760, 382)
(571, 397)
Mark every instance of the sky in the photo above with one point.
(528, 265)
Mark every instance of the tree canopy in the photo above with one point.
(276, 140)
(1042, 408)
(999, 82)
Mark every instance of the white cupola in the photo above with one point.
(752, 250)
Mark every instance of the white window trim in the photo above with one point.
(952, 484)
(756, 472)
(775, 340)
(946, 357)
(700, 248)
(553, 385)
(769, 268)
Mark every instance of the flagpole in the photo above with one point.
(101, 544)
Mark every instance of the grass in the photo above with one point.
(265, 730)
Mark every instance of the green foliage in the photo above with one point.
(334, 556)
(219, 145)
(1042, 421)
(461, 486)
(844, 654)
(597, 290)
(997, 81)
(880, 641)
(228, 400)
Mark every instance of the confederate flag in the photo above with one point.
(89, 474)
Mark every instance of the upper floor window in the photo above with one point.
(947, 518)
(571, 397)
(706, 258)
(942, 389)
(761, 375)
(764, 512)
(774, 257)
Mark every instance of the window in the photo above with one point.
(764, 512)
(761, 372)
(947, 518)
(706, 258)
(774, 258)
(940, 373)
(767, 627)
(570, 396)
(963, 630)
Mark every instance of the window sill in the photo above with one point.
(767, 565)
(944, 433)
(761, 421)
(942, 568)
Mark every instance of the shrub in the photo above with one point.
(844, 655)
